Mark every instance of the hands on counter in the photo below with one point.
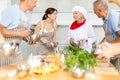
(108, 50)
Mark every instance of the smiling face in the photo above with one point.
(77, 16)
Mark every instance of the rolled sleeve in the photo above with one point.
(6, 19)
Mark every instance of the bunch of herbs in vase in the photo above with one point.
(79, 60)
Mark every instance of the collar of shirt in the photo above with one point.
(76, 25)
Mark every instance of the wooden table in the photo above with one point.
(116, 41)
(59, 75)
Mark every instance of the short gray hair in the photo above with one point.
(100, 4)
(22, 0)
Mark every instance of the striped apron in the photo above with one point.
(4, 60)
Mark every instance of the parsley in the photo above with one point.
(83, 58)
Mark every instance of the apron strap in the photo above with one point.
(53, 26)
(105, 28)
(108, 36)
(43, 26)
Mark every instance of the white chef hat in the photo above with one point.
(81, 10)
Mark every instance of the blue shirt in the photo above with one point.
(11, 17)
(112, 21)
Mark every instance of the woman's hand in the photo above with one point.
(43, 40)
(105, 46)
(104, 50)
(83, 41)
(71, 41)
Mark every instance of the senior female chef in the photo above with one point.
(81, 30)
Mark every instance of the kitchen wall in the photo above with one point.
(64, 8)
(64, 17)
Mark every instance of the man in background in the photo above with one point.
(110, 26)
(109, 50)
(13, 27)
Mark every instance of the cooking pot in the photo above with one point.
(9, 49)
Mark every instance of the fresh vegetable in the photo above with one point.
(83, 58)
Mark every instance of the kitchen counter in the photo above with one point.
(116, 41)
(58, 75)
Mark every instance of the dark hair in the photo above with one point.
(48, 11)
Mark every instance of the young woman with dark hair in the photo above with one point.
(46, 30)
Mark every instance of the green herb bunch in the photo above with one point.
(83, 58)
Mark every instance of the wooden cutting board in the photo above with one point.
(106, 70)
